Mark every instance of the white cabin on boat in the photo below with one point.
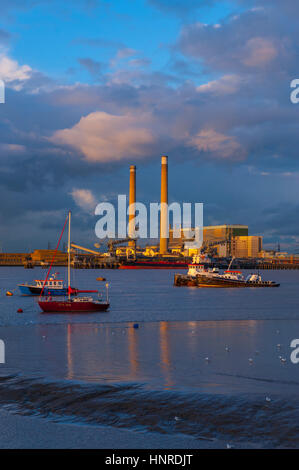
(51, 283)
(195, 269)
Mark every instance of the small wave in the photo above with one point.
(259, 379)
(204, 416)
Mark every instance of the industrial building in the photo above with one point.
(222, 241)
(224, 232)
(246, 247)
(37, 258)
(46, 256)
(13, 259)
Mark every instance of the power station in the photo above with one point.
(221, 241)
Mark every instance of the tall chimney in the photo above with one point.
(164, 206)
(132, 200)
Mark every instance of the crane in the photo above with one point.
(112, 244)
(209, 247)
(87, 250)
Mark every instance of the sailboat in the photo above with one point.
(76, 304)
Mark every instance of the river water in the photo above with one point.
(213, 364)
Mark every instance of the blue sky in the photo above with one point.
(51, 36)
(94, 86)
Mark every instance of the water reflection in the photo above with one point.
(166, 355)
(69, 353)
(133, 350)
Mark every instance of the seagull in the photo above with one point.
(268, 399)
(279, 346)
(207, 359)
(250, 360)
(283, 360)
(176, 418)
(226, 348)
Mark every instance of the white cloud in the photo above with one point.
(12, 73)
(84, 199)
(105, 137)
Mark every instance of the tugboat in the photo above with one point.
(199, 276)
(77, 304)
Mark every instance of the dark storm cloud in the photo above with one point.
(94, 67)
(254, 42)
(282, 220)
(252, 58)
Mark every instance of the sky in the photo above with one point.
(93, 86)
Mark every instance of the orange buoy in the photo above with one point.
(20, 310)
(101, 279)
(9, 294)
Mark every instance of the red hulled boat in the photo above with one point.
(159, 264)
(77, 304)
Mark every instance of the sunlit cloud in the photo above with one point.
(85, 199)
(218, 145)
(103, 137)
(227, 85)
(258, 52)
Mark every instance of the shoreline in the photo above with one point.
(27, 432)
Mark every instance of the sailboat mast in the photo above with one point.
(69, 258)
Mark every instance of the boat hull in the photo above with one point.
(209, 281)
(33, 290)
(66, 306)
(153, 265)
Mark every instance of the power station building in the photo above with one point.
(222, 240)
(224, 232)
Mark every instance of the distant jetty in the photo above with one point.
(42, 258)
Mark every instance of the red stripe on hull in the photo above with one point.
(153, 267)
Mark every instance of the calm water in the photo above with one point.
(202, 362)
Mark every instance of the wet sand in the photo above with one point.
(23, 432)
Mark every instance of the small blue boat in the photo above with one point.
(52, 287)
